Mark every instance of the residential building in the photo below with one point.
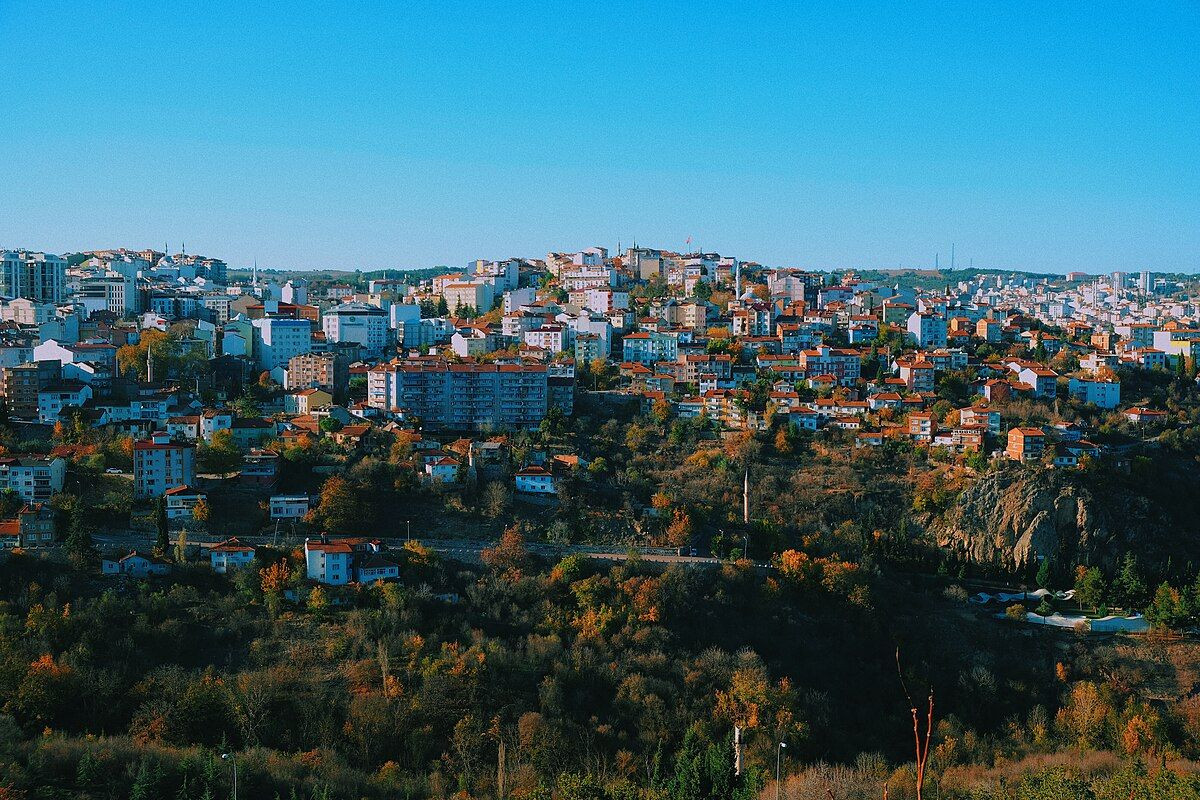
(464, 396)
(534, 480)
(927, 329)
(229, 555)
(359, 323)
(181, 501)
(328, 371)
(34, 478)
(136, 565)
(160, 464)
(1026, 444)
(306, 401)
(278, 339)
(40, 277)
(1101, 393)
(289, 506)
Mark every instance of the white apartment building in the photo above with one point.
(160, 464)
(461, 396)
(328, 562)
(34, 479)
(289, 506)
(555, 338)
(476, 294)
(1103, 394)
(277, 339)
(359, 323)
(927, 329)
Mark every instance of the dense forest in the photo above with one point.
(524, 678)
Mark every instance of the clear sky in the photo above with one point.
(1033, 135)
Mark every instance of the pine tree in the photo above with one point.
(1043, 574)
(163, 543)
(1128, 589)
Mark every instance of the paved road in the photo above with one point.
(459, 550)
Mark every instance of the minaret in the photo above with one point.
(149, 366)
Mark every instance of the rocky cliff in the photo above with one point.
(1012, 515)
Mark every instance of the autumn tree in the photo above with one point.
(201, 511)
(509, 554)
(340, 509)
(220, 456)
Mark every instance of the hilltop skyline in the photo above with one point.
(1037, 138)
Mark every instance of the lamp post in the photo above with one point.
(778, 761)
(233, 760)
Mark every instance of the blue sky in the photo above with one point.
(1049, 136)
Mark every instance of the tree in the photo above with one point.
(160, 524)
(1043, 574)
(247, 405)
(318, 601)
(509, 554)
(329, 425)
(181, 548)
(201, 511)
(1128, 589)
(80, 549)
(1166, 611)
(340, 509)
(496, 500)
(1089, 586)
(221, 456)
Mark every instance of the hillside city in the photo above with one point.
(593, 524)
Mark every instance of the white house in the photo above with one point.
(289, 506)
(53, 398)
(328, 562)
(535, 480)
(181, 501)
(375, 567)
(444, 470)
(230, 554)
(136, 564)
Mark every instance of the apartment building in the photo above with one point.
(160, 464)
(41, 277)
(24, 382)
(34, 478)
(328, 371)
(278, 339)
(1025, 444)
(358, 323)
(466, 396)
(844, 365)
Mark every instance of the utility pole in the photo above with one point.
(232, 758)
(746, 496)
(778, 762)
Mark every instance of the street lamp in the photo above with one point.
(233, 760)
(778, 760)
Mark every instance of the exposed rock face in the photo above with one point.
(1013, 515)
